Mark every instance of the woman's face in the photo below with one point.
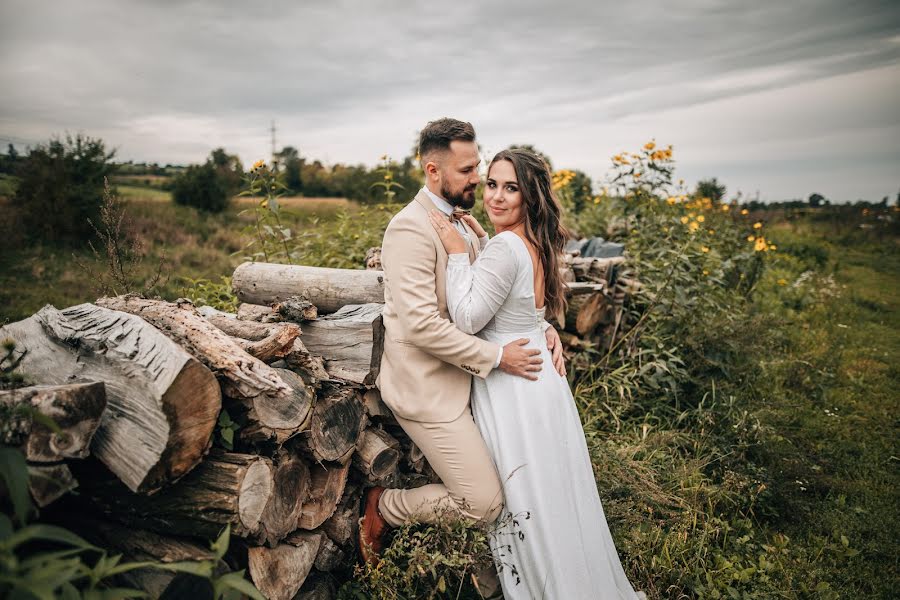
(502, 196)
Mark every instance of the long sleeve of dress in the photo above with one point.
(475, 292)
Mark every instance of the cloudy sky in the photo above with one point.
(780, 98)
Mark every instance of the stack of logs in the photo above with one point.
(266, 420)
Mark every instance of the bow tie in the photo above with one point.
(458, 214)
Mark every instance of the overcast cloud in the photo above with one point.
(783, 98)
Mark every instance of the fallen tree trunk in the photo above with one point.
(157, 393)
(243, 377)
(279, 572)
(337, 423)
(327, 484)
(225, 489)
(351, 342)
(327, 289)
(76, 409)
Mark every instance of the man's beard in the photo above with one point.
(464, 199)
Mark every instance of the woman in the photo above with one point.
(532, 428)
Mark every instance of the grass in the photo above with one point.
(772, 473)
(195, 245)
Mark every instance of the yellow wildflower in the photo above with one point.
(700, 218)
(757, 225)
(671, 200)
(649, 146)
(725, 208)
(684, 220)
(782, 281)
(750, 238)
(773, 247)
(760, 244)
(259, 164)
(693, 226)
(744, 211)
(712, 232)
(705, 272)
(596, 199)
(704, 249)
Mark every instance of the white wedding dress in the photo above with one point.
(532, 429)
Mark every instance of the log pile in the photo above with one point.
(265, 420)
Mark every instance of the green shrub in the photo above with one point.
(202, 187)
(61, 188)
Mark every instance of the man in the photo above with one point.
(428, 364)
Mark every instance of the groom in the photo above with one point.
(428, 364)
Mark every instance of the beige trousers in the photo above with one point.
(458, 454)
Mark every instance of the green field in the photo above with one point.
(764, 464)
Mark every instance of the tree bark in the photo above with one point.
(279, 572)
(351, 342)
(337, 423)
(327, 487)
(318, 586)
(76, 408)
(328, 289)
(156, 392)
(243, 377)
(591, 314)
(226, 488)
(342, 526)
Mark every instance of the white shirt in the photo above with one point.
(446, 208)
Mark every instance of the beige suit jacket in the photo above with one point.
(428, 364)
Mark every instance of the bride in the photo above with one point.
(531, 428)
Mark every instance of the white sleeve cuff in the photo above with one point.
(499, 358)
(461, 258)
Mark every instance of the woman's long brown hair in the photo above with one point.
(543, 220)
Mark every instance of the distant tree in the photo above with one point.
(710, 188)
(292, 165)
(229, 169)
(203, 187)
(8, 162)
(61, 188)
(815, 200)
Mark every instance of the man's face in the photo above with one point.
(458, 172)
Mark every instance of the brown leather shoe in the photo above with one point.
(372, 527)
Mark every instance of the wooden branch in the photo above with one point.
(328, 289)
(351, 342)
(76, 408)
(267, 342)
(243, 377)
(157, 393)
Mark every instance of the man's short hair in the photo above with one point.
(437, 135)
